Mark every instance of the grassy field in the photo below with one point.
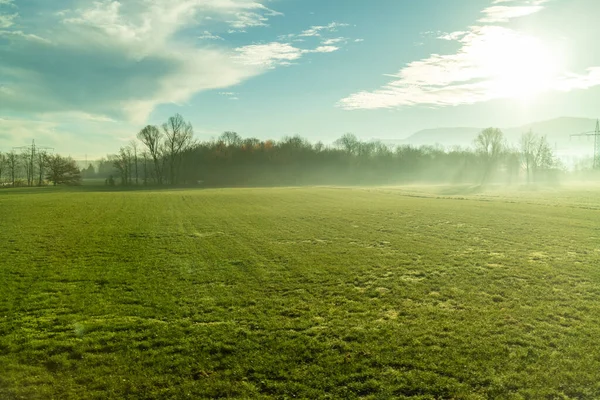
(426, 293)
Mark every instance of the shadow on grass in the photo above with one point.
(462, 190)
(93, 188)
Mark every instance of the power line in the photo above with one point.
(596, 135)
(33, 150)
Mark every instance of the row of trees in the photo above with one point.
(32, 168)
(534, 154)
(170, 155)
(160, 160)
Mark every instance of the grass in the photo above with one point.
(299, 293)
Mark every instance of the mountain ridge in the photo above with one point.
(558, 132)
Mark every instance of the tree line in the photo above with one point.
(37, 168)
(170, 155)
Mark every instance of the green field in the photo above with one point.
(427, 293)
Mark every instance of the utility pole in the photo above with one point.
(32, 151)
(596, 135)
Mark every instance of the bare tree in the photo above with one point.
(134, 148)
(528, 145)
(41, 162)
(145, 157)
(12, 161)
(490, 145)
(152, 138)
(28, 164)
(123, 163)
(2, 166)
(536, 154)
(230, 138)
(178, 138)
(349, 143)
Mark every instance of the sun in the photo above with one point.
(518, 66)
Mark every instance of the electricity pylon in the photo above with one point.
(596, 135)
(32, 150)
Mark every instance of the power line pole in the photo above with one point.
(32, 151)
(596, 135)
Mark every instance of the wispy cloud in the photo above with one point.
(274, 54)
(284, 53)
(230, 95)
(329, 42)
(268, 55)
(7, 20)
(492, 62)
(206, 35)
(504, 13)
(23, 35)
(316, 31)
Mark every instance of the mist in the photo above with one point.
(169, 156)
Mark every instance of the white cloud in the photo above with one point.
(275, 54)
(7, 20)
(318, 30)
(328, 42)
(492, 62)
(315, 31)
(230, 95)
(573, 81)
(506, 13)
(502, 13)
(453, 35)
(206, 35)
(268, 55)
(23, 35)
(323, 49)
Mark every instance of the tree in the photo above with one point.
(134, 148)
(528, 145)
(2, 166)
(28, 164)
(122, 162)
(151, 137)
(145, 158)
(12, 161)
(536, 154)
(62, 170)
(231, 139)
(178, 138)
(349, 143)
(89, 172)
(490, 145)
(41, 162)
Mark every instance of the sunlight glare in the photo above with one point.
(520, 67)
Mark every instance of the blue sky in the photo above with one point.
(85, 76)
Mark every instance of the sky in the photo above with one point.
(84, 77)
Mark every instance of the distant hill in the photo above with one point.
(443, 136)
(557, 131)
